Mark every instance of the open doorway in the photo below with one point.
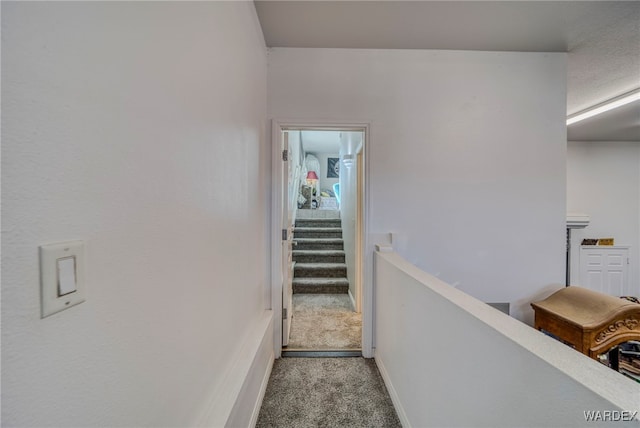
(321, 261)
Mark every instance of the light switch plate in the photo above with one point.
(61, 276)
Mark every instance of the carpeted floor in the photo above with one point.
(326, 392)
(324, 321)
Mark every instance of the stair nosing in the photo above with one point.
(305, 228)
(338, 280)
(321, 265)
(319, 252)
(318, 239)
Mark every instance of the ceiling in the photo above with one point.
(326, 142)
(602, 39)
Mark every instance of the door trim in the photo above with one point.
(277, 126)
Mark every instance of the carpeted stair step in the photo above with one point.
(319, 244)
(318, 256)
(320, 285)
(320, 270)
(318, 222)
(317, 232)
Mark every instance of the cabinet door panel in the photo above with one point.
(604, 269)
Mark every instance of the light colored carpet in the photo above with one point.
(323, 322)
(309, 213)
(326, 392)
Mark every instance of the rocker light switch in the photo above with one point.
(66, 275)
(61, 276)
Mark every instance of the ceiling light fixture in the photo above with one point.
(606, 106)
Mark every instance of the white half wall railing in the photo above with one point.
(450, 360)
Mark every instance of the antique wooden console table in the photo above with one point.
(589, 321)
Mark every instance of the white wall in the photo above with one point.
(603, 180)
(466, 155)
(138, 128)
(476, 367)
(351, 142)
(325, 182)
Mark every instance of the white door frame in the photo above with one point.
(277, 126)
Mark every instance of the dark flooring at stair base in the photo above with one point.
(326, 392)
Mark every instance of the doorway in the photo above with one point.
(319, 212)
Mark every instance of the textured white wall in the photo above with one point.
(139, 128)
(603, 180)
(467, 155)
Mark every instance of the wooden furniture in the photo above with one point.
(589, 321)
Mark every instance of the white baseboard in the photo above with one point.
(353, 301)
(236, 401)
(395, 399)
(263, 390)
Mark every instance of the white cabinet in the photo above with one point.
(604, 269)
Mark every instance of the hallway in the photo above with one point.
(326, 392)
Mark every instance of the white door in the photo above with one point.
(604, 269)
(288, 210)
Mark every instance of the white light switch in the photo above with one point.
(66, 275)
(61, 276)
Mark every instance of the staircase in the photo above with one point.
(319, 255)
